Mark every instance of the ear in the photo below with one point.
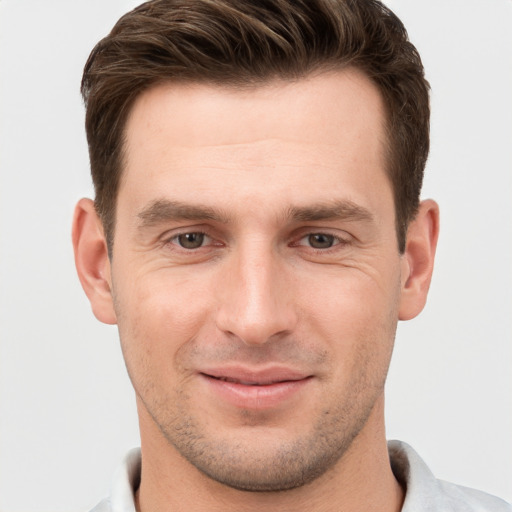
(92, 262)
(418, 259)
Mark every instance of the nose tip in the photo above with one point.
(255, 305)
(256, 331)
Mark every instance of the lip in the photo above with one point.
(255, 388)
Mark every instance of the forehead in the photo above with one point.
(296, 137)
(319, 105)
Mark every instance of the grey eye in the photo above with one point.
(321, 240)
(191, 240)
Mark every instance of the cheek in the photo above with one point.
(355, 297)
(357, 316)
(156, 317)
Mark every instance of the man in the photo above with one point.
(256, 235)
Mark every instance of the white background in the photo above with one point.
(66, 406)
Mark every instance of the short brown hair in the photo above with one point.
(244, 43)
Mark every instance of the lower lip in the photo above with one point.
(255, 397)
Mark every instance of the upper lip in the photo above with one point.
(263, 376)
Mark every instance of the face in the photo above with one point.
(255, 273)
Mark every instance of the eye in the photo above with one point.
(320, 240)
(192, 240)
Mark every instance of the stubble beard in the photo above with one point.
(257, 467)
(266, 465)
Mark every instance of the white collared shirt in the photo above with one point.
(424, 492)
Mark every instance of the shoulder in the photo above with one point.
(471, 500)
(425, 493)
(103, 506)
(124, 484)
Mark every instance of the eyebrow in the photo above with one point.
(333, 210)
(164, 210)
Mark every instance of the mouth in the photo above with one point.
(254, 389)
(250, 382)
(247, 377)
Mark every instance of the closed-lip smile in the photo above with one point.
(255, 388)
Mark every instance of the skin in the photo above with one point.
(294, 263)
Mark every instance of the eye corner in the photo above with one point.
(319, 240)
(191, 240)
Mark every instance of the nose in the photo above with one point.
(255, 302)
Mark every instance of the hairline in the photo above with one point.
(322, 68)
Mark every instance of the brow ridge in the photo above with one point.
(164, 210)
(332, 210)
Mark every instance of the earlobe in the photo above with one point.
(92, 262)
(418, 259)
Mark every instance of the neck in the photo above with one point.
(361, 480)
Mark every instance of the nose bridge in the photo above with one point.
(256, 302)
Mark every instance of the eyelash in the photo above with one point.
(336, 240)
(174, 239)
